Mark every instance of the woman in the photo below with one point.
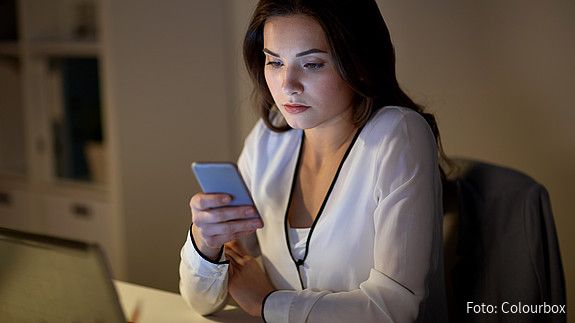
(343, 169)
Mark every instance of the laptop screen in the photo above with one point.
(45, 279)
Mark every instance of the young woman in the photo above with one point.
(343, 169)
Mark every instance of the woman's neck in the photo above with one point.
(322, 145)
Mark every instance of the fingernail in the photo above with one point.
(251, 212)
(226, 199)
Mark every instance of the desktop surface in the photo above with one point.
(155, 305)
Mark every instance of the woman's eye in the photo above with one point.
(274, 64)
(313, 66)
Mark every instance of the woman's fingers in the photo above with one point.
(236, 258)
(203, 201)
(216, 234)
(232, 255)
(218, 240)
(231, 268)
(230, 228)
(225, 214)
(237, 247)
(214, 223)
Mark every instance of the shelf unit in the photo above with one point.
(53, 153)
(164, 96)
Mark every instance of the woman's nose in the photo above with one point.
(291, 83)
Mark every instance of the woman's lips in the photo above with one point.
(295, 108)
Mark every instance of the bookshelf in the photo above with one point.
(155, 87)
(53, 154)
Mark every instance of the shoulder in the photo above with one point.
(393, 118)
(403, 147)
(392, 123)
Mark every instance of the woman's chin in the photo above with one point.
(297, 125)
(297, 122)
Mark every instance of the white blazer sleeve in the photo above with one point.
(203, 283)
(406, 246)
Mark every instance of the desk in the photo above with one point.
(161, 306)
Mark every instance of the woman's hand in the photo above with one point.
(248, 284)
(214, 223)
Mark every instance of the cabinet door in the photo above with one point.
(12, 137)
(79, 219)
(14, 209)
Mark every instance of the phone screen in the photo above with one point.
(222, 178)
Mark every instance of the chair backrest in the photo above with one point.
(500, 247)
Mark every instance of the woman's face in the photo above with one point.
(301, 74)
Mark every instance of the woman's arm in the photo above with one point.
(203, 280)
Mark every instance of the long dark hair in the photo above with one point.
(360, 46)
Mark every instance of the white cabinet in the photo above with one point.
(50, 81)
(15, 209)
(79, 219)
(112, 164)
(53, 154)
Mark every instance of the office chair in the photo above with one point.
(500, 246)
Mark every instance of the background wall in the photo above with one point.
(169, 95)
(499, 75)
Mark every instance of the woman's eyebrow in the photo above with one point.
(307, 52)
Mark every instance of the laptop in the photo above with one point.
(48, 279)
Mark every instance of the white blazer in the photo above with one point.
(374, 253)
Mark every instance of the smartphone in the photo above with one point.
(222, 178)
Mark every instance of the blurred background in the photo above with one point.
(104, 104)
